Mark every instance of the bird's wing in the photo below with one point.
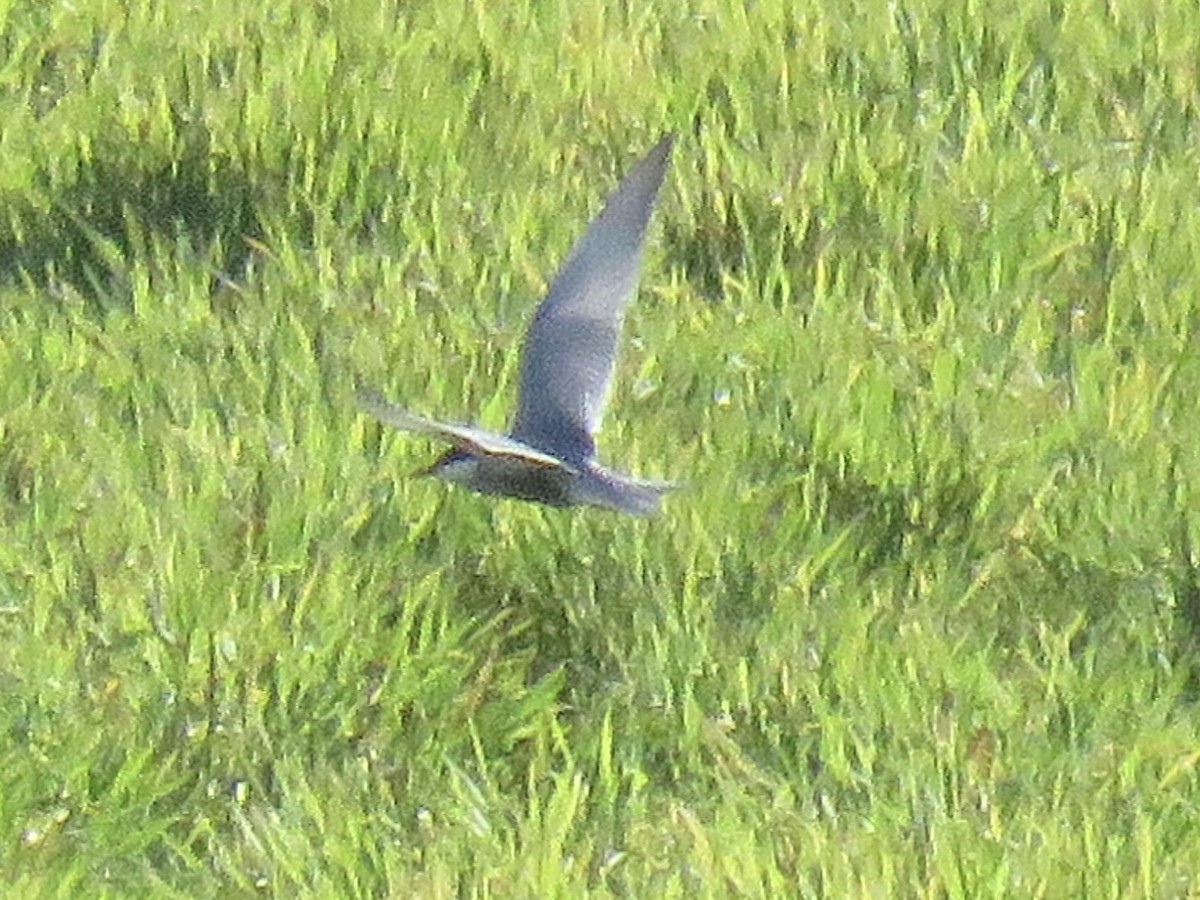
(571, 346)
(464, 436)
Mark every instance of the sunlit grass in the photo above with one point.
(915, 334)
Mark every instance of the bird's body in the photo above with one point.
(567, 362)
(511, 476)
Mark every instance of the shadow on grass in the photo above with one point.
(87, 233)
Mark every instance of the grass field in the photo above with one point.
(917, 331)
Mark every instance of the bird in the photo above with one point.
(567, 362)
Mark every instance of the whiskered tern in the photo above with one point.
(570, 350)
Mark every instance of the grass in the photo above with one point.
(917, 331)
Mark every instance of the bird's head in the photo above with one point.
(456, 465)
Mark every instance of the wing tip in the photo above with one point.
(659, 156)
(368, 399)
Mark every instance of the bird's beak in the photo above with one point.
(424, 471)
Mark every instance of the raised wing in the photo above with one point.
(571, 346)
(463, 436)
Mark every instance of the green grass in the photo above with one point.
(917, 331)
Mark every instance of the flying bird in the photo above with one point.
(567, 361)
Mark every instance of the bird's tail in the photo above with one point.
(621, 493)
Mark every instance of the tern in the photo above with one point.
(567, 361)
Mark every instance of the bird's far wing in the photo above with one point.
(571, 346)
(477, 440)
